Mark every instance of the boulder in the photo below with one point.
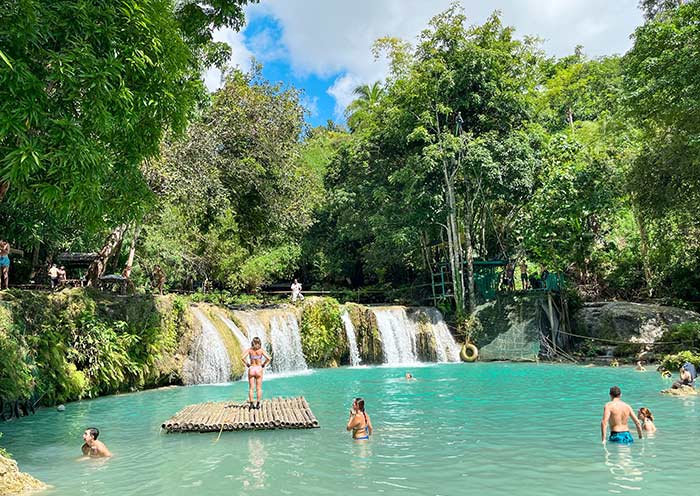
(629, 322)
(12, 481)
(681, 391)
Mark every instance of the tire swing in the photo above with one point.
(469, 352)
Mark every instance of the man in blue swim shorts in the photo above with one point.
(617, 414)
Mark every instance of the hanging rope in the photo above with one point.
(613, 341)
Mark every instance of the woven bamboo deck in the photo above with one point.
(277, 413)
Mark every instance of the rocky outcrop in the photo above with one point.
(12, 481)
(369, 341)
(629, 322)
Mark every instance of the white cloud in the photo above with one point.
(334, 37)
(240, 57)
(342, 90)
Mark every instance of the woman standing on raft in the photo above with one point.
(255, 369)
(359, 423)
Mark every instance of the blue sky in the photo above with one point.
(323, 47)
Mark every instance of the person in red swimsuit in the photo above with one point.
(255, 365)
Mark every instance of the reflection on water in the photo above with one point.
(255, 475)
(626, 471)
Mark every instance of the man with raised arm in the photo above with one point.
(617, 414)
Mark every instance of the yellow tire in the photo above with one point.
(469, 352)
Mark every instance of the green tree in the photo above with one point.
(87, 90)
(368, 97)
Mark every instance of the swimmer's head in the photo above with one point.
(360, 404)
(615, 392)
(91, 434)
(645, 413)
(255, 343)
(408, 375)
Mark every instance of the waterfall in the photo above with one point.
(283, 339)
(352, 339)
(447, 349)
(208, 361)
(240, 337)
(254, 327)
(398, 335)
(286, 343)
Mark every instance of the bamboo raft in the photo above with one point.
(277, 413)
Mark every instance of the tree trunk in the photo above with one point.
(98, 267)
(132, 251)
(453, 239)
(4, 186)
(469, 261)
(644, 249)
(35, 260)
(116, 253)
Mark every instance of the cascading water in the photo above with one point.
(446, 347)
(240, 337)
(286, 343)
(398, 335)
(254, 327)
(208, 361)
(283, 339)
(352, 339)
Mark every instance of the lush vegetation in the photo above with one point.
(80, 344)
(322, 333)
(477, 146)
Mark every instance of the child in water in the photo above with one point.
(647, 419)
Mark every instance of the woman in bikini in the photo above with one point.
(359, 423)
(255, 355)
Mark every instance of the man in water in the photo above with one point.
(92, 446)
(617, 413)
(409, 377)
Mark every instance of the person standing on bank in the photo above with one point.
(53, 275)
(296, 291)
(4, 264)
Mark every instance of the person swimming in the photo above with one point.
(409, 377)
(647, 419)
(92, 446)
(255, 355)
(359, 423)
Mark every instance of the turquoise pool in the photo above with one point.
(482, 428)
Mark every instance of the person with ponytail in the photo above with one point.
(359, 422)
(255, 365)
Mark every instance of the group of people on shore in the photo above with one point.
(527, 281)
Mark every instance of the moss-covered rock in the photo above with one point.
(323, 338)
(232, 345)
(369, 341)
(78, 343)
